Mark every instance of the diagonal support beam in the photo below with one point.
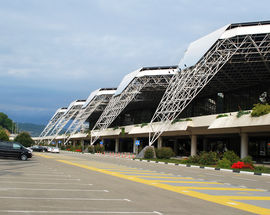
(186, 84)
(53, 121)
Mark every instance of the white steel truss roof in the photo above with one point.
(129, 88)
(70, 113)
(245, 40)
(97, 100)
(53, 121)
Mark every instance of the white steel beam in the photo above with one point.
(98, 103)
(186, 84)
(119, 102)
(71, 112)
(53, 121)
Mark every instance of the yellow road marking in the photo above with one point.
(45, 156)
(223, 200)
(164, 177)
(185, 182)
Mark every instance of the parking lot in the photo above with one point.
(83, 184)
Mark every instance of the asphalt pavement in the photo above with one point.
(68, 183)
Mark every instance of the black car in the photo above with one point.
(14, 149)
(38, 148)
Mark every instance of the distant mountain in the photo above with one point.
(31, 128)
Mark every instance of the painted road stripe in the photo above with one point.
(71, 199)
(223, 201)
(53, 179)
(29, 182)
(79, 212)
(40, 189)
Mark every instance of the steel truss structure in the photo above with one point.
(53, 121)
(97, 103)
(188, 83)
(119, 102)
(71, 112)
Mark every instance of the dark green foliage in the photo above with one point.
(231, 156)
(25, 139)
(164, 153)
(149, 153)
(144, 124)
(3, 135)
(91, 149)
(260, 110)
(177, 120)
(241, 113)
(123, 131)
(115, 128)
(224, 163)
(5, 122)
(222, 115)
(192, 159)
(247, 159)
(99, 148)
(208, 158)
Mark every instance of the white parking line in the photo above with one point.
(71, 199)
(40, 189)
(28, 182)
(79, 212)
(56, 179)
(247, 179)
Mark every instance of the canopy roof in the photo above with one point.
(144, 71)
(197, 49)
(100, 91)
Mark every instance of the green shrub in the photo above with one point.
(144, 124)
(123, 131)
(91, 149)
(3, 135)
(25, 139)
(247, 159)
(224, 163)
(149, 153)
(241, 113)
(99, 148)
(164, 153)
(260, 109)
(115, 128)
(231, 156)
(208, 158)
(221, 115)
(192, 159)
(63, 147)
(176, 120)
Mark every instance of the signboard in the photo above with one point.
(137, 142)
(101, 143)
(53, 143)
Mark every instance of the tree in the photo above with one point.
(25, 139)
(5, 122)
(3, 135)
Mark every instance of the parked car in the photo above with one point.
(37, 148)
(14, 149)
(49, 149)
(55, 150)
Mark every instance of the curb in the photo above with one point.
(190, 166)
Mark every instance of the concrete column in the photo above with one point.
(135, 148)
(193, 145)
(244, 145)
(82, 144)
(116, 144)
(159, 143)
(74, 143)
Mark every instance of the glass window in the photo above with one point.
(16, 146)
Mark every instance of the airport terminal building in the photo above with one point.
(202, 104)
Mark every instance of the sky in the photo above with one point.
(53, 52)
